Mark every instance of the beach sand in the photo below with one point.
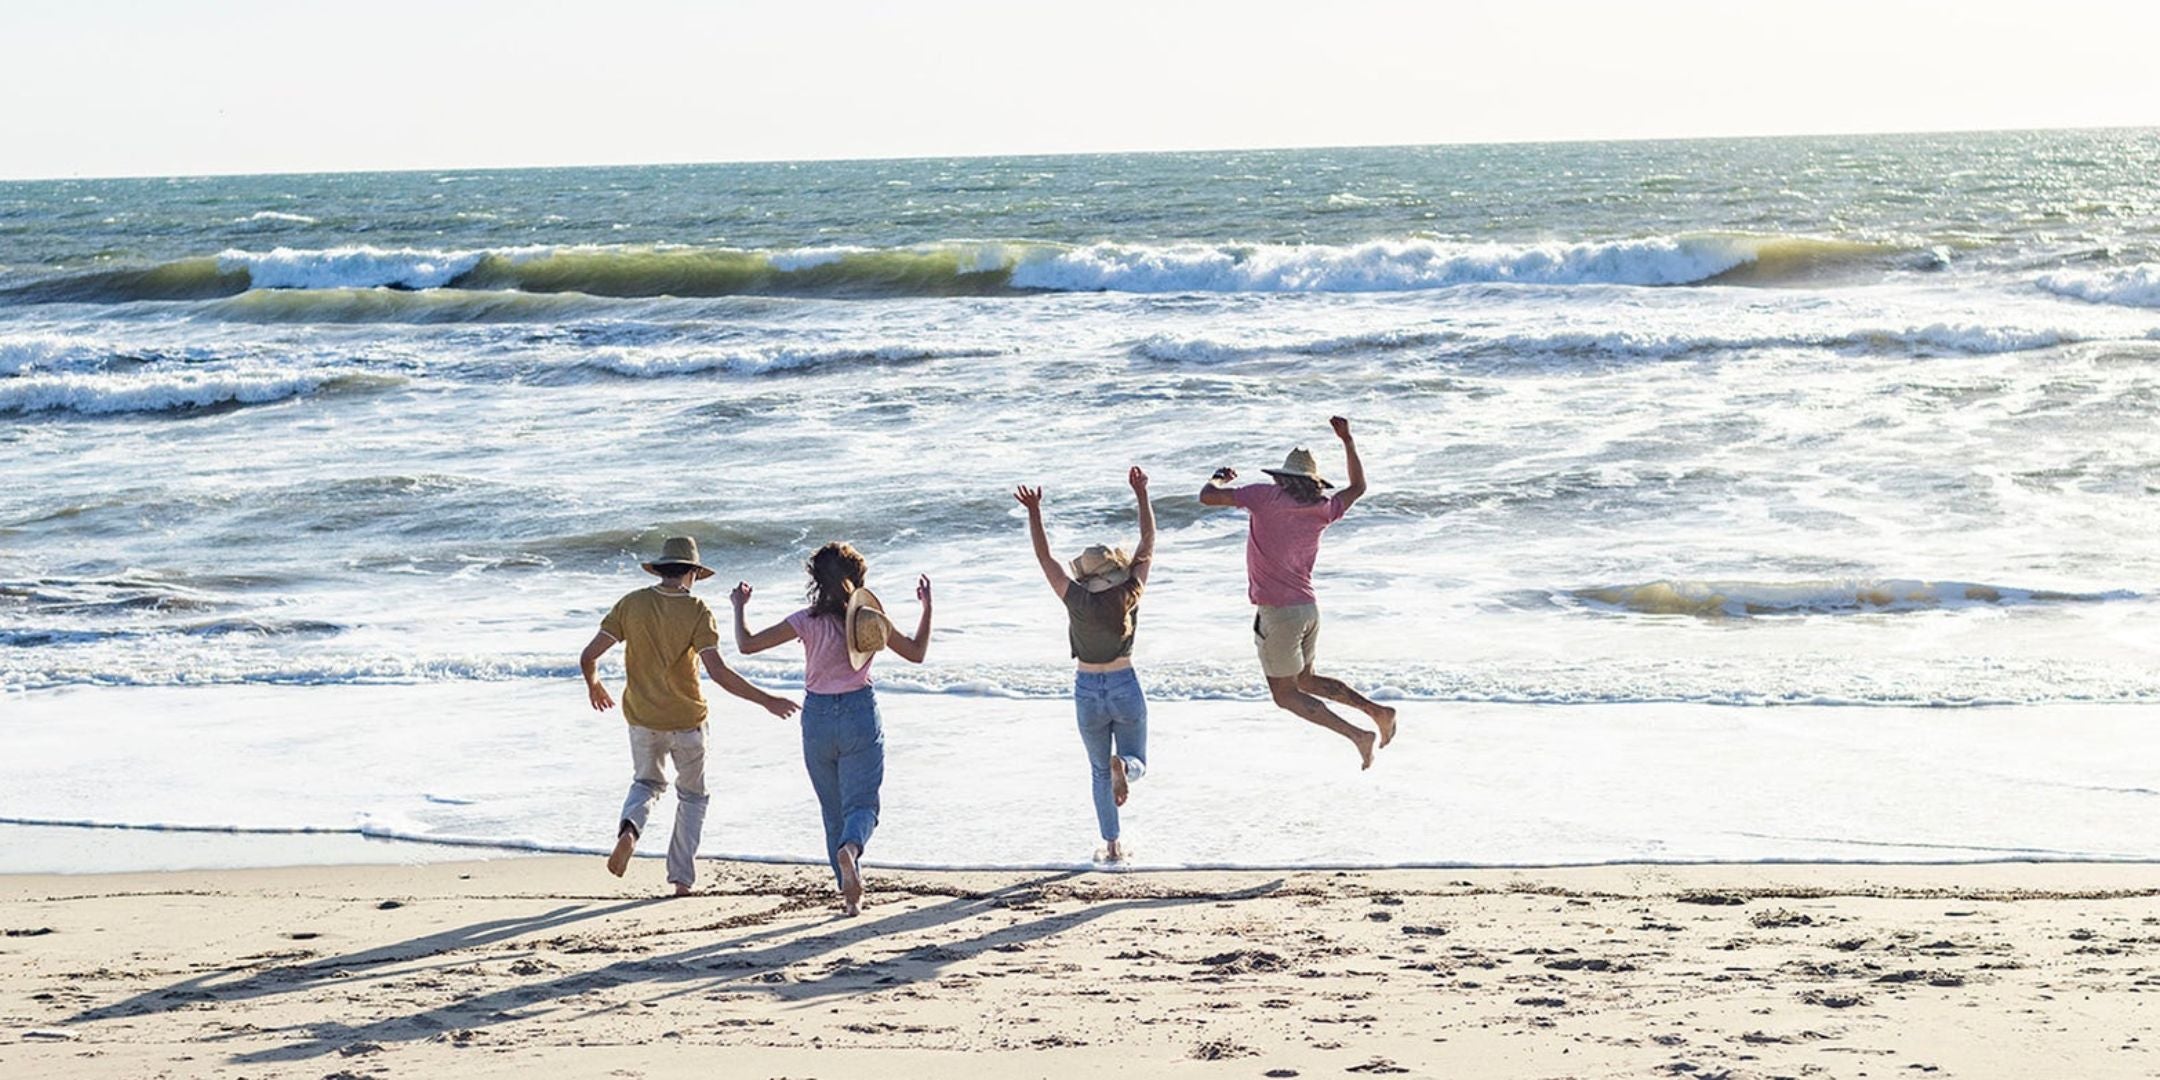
(547, 966)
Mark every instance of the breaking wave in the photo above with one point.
(1742, 599)
(1963, 338)
(988, 268)
(172, 391)
(649, 364)
(2131, 286)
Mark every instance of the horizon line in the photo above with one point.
(982, 156)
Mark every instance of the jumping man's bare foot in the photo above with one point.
(1365, 741)
(1383, 717)
(850, 882)
(618, 860)
(1119, 787)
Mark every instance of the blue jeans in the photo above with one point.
(843, 746)
(1113, 713)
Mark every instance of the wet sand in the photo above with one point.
(501, 968)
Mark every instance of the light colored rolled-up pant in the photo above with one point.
(648, 748)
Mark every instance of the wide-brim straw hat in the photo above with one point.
(1300, 463)
(867, 627)
(1100, 568)
(678, 551)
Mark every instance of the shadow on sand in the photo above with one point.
(754, 961)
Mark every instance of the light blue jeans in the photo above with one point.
(843, 746)
(1113, 722)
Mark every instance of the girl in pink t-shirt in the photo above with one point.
(843, 738)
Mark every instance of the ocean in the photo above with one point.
(1732, 499)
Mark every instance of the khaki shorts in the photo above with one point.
(1288, 637)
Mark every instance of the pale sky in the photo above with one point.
(101, 88)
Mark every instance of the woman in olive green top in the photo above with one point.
(1102, 604)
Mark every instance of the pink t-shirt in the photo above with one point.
(825, 658)
(1282, 542)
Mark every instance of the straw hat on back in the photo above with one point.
(1300, 463)
(1100, 569)
(867, 627)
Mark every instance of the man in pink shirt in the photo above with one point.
(1286, 518)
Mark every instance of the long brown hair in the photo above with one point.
(1304, 489)
(836, 570)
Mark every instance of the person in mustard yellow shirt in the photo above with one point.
(661, 628)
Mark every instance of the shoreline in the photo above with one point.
(489, 968)
(198, 851)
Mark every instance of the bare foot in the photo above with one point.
(1383, 717)
(1119, 787)
(682, 889)
(1365, 741)
(618, 860)
(1112, 853)
(850, 882)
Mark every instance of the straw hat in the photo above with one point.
(1100, 568)
(678, 551)
(867, 627)
(1300, 463)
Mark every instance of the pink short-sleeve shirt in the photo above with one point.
(1281, 542)
(825, 655)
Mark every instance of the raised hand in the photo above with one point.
(781, 707)
(1341, 424)
(1224, 475)
(922, 589)
(741, 595)
(1029, 497)
(1137, 477)
(601, 701)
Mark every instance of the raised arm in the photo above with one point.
(1143, 556)
(913, 649)
(1356, 488)
(746, 642)
(589, 663)
(1052, 572)
(735, 684)
(1216, 492)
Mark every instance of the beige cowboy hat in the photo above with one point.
(678, 551)
(1300, 463)
(867, 627)
(1099, 568)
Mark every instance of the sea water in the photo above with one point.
(1820, 472)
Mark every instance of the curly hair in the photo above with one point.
(836, 570)
(1304, 489)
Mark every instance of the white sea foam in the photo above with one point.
(811, 257)
(277, 215)
(163, 391)
(648, 363)
(1652, 343)
(2130, 286)
(1734, 599)
(1378, 266)
(21, 353)
(1559, 785)
(354, 267)
(1217, 348)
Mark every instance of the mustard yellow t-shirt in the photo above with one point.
(662, 634)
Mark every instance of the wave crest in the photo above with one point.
(2131, 286)
(97, 395)
(1742, 599)
(963, 268)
